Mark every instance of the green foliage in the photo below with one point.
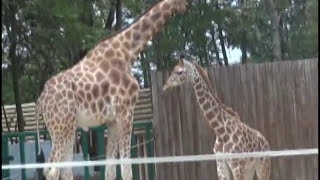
(53, 32)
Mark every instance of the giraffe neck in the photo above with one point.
(135, 37)
(217, 114)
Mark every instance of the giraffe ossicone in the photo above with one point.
(232, 135)
(100, 89)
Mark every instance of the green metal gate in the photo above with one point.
(146, 126)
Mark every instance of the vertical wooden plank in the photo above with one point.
(156, 123)
(250, 82)
(219, 85)
(281, 121)
(284, 93)
(180, 111)
(267, 104)
(232, 79)
(237, 91)
(184, 132)
(259, 96)
(210, 137)
(212, 78)
(244, 96)
(210, 140)
(164, 126)
(189, 129)
(176, 132)
(298, 125)
(226, 87)
(314, 115)
(169, 124)
(307, 121)
(314, 64)
(194, 127)
(140, 154)
(203, 138)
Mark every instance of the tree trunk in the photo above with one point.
(145, 70)
(206, 60)
(276, 42)
(244, 48)
(16, 88)
(221, 38)
(118, 15)
(14, 64)
(223, 48)
(215, 46)
(110, 17)
(46, 72)
(276, 45)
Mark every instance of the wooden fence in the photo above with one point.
(279, 99)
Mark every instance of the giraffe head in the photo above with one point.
(182, 73)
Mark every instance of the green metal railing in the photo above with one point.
(146, 126)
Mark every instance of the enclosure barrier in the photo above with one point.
(145, 126)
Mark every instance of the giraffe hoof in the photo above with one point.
(46, 171)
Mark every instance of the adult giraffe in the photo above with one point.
(100, 89)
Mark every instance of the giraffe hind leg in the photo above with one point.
(66, 173)
(55, 156)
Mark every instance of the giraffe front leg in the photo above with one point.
(125, 146)
(223, 170)
(112, 151)
(263, 169)
(237, 169)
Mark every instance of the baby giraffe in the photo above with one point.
(233, 136)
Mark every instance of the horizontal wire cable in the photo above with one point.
(167, 159)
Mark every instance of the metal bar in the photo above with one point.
(118, 172)
(44, 132)
(26, 133)
(134, 154)
(100, 136)
(22, 156)
(85, 153)
(147, 125)
(5, 157)
(36, 144)
(150, 150)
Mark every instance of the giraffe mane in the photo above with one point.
(204, 75)
(123, 29)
